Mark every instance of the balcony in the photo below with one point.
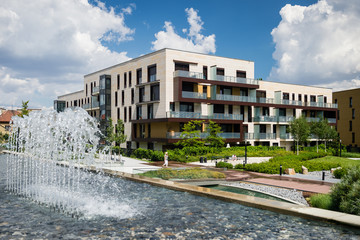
(284, 119)
(224, 97)
(96, 91)
(226, 135)
(197, 115)
(197, 75)
(286, 136)
(194, 95)
(91, 106)
(260, 136)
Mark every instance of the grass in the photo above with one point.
(342, 161)
(321, 201)
(350, 155)
(192, 173)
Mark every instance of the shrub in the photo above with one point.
(224, 165)
(321, 201)
(339, 173)
(156, 156)
(193, 173)
(346, 194)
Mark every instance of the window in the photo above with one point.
(293, 97)
(274, 128)
(150, 111)
(335, 101)
(299, 97)
(125, 114)
(262, 128)
(265, 111)
(219, 108)
(91, 87)
(312, 98)
(325, 99)
(353, 138)
(129, 113)
(350, 125)
(350, 101)
(260, 94)
(122, 97)
(118, 81)
(118, 113)
(142, 130)
(225, 90)
(230, 109)
(139, 76)
(220, 71)
(282, 112)
(150, 146)
(186, 107)
(182, 67)
(286, 96)
(125, 80)
(353, 113)
(116, 99)
(187, 86)
(138, 112)
(129, 78)
(305, 98)
(141, 94)
(149, 130)
(86, 87)
(152, 73)
(172, 106)
(155, 92)
(241, 74)
(132, 96)
(205, 72)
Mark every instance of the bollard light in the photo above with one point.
(323, 174)
(280, 170)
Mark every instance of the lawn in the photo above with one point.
(191, 173)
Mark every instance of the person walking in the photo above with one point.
(166, 159)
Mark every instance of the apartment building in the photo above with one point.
(348, 115)
(156, 94)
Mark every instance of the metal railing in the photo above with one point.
(94, 104)
(177, 135)
(193, 95)
(251, 136)
(219, 116)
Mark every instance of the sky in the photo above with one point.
(47, 46)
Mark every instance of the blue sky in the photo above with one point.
(47, 47)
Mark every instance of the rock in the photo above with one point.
(333, 169)
(290, 171)
(304, 170)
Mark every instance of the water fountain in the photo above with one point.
(42, 188)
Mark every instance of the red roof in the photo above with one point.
(6, 116)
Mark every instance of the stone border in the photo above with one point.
(265, 204)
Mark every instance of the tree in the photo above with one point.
(300, 130)
(24, 109)
(214, 139)
(115, 134)
(323, 132)
(191, 134)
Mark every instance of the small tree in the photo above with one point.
(24, 109)
(323, 132)
(300, 130)
(115, 134)
(214, 139)
(191, 134)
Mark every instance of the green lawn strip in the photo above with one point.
(191, 173)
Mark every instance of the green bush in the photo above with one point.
(224, 165)
(339, 173)
(156, 156)
(346, 194)
(321, 201)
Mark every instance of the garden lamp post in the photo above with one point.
(246, 152)
(340, 147)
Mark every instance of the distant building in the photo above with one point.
(5, 119)
(157, 93)
(348, 116)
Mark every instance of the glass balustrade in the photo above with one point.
(197, 115)
(96, 90)
(260, 136)
(227, 135)
(196, 95)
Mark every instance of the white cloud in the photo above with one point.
(318, 44)
(52, 44)
(194, 40)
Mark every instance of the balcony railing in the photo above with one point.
(197, 115)
(255, 136)
(177, 135)
(187, 74)
(96, 90)
(92, 105)
(193, 95)
(225, 97)
(331, 120)
(286, 136)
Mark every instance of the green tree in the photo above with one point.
(300, 130)
(24, 109)
(214, 139)
(323, 132)
(191, 134)
(115, 134)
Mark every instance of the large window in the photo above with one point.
(125, 114)
(182, 66)
(152, 73)
(299, 97)
(205, 69)
(220, 71)
(219, 108)
(225, 90)
(188, 86)
(353, 113)
(150, 111)
(125, 80)
(129, 113)
(138, 112)
(122, 97)
(139, 76)
(155, 92)
(350, 102)
(241, 74)
(312, 98)
(141, 94)
(350, 125)
(186, 107)
(132, 96)
(118, 81)
(116, 99)
(286, 96)
(129, 78)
